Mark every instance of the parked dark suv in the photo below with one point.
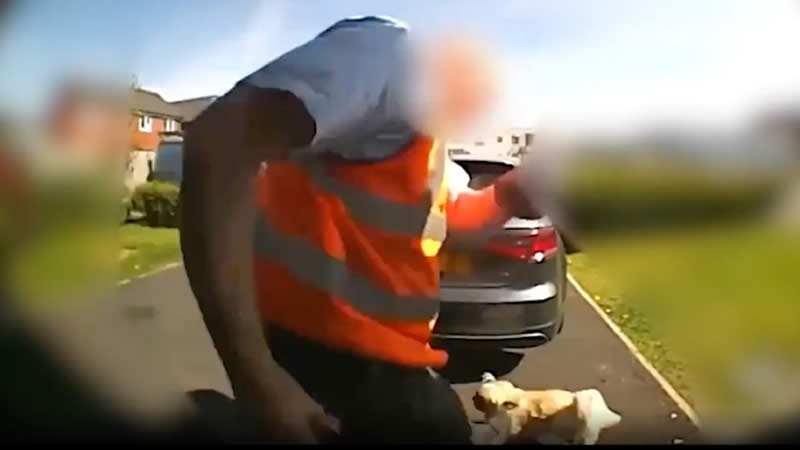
(168, 164)
(504, 289)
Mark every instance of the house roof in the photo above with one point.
(191, 108)
(152, 103)
(186, 110)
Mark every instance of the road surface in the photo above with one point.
(587, 354)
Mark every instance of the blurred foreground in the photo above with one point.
(691, 239)
(696, 260)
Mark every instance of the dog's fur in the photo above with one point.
(548, 416)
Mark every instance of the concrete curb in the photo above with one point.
(662, 382)
(152, 272)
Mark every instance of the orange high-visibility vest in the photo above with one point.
(346, 252)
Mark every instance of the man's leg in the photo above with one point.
(408, 405)
(376, 402)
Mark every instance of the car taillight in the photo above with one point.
(537, 246)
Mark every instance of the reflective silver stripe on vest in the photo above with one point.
(435, 228)
(372, 209)
(313, 266)
(375, 210)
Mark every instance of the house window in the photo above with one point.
(528, 139)
(515, 140)
(170, 125)
(145, 124)
(499, 139)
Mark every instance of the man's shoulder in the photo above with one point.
(383, 22)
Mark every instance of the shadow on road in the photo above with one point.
(219, 416)
(467, 364)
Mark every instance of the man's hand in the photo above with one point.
(291, 416)
(535, 189)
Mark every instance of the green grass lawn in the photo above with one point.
(702, 305)
(144, 249)
(64, 264)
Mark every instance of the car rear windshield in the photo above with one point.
(483, 173)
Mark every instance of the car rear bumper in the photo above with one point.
(500, 317)
(497, 295)
(520, 340)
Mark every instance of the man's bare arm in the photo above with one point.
(222, 152)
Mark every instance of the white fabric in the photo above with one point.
(595, 415)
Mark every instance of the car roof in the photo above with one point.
(169, 139)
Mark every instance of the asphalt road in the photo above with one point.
(587, 354)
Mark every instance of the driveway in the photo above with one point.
(587, 354)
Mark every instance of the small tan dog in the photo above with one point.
(547, 417)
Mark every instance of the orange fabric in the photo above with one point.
(408, 172)
(298, 208)
(294, 206)
(472, 210)
(393, 261)
(312, 313)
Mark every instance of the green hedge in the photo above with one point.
(159, 201)
(621, 198)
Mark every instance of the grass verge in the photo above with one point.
(144, 249)
(704, 306)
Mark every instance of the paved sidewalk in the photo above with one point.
(587, 354)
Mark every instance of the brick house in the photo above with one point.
(151, 117)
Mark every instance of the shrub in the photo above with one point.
(623, 197)
(159, 201)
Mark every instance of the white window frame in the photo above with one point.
(146, 124)
(170, 125)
